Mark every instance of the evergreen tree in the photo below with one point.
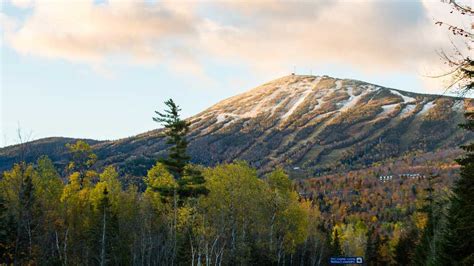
(189, 178)
(405, 247)
(370, 248)
(176, 130)
(193, 183)
(458, 239)
(7, 233)
(336, 246)
(425, 250)
(26, 223)
(374, 243)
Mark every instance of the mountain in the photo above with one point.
(308, 124)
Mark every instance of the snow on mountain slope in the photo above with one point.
(427, 107)
(315, 123)
(406, 99)
(292, 95)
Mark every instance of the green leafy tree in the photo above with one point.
(82, 159)
(288, 220)
(19, 192)
(82, 156)
(104, 232)
(163, 186)
(160, 180)
(77, 215)
(233, 209)
(48, 189)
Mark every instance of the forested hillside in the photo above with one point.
(180, 213)
(296, 171)
(316, 124)
(91, 217)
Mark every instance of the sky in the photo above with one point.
(99, 69)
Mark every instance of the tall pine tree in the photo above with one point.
(457, 247)
(371, 247)
(405, 247)
(176, 130)
(336, 246)
(426, 248)
(188, 177)
(372, 256)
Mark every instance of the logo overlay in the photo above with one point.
(346, 260)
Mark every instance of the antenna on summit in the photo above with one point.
(294, 71)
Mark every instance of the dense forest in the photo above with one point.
(225, 215)
(234, 217)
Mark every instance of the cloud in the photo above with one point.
(82, 31)
(377, 36)
(22, 3)
(271, 35)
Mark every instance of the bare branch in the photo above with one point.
(463, 9)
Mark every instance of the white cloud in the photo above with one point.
(82, 31)
(22, 3)
(373, 36)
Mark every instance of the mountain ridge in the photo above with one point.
(316, 123)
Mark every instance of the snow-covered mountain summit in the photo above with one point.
(319, 122)
(293, 97)
(310, 123)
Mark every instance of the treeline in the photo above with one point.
(364, 195)
(226, 215)
(221, 215)
(91, 219)
(384, 222)
(186, 215)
